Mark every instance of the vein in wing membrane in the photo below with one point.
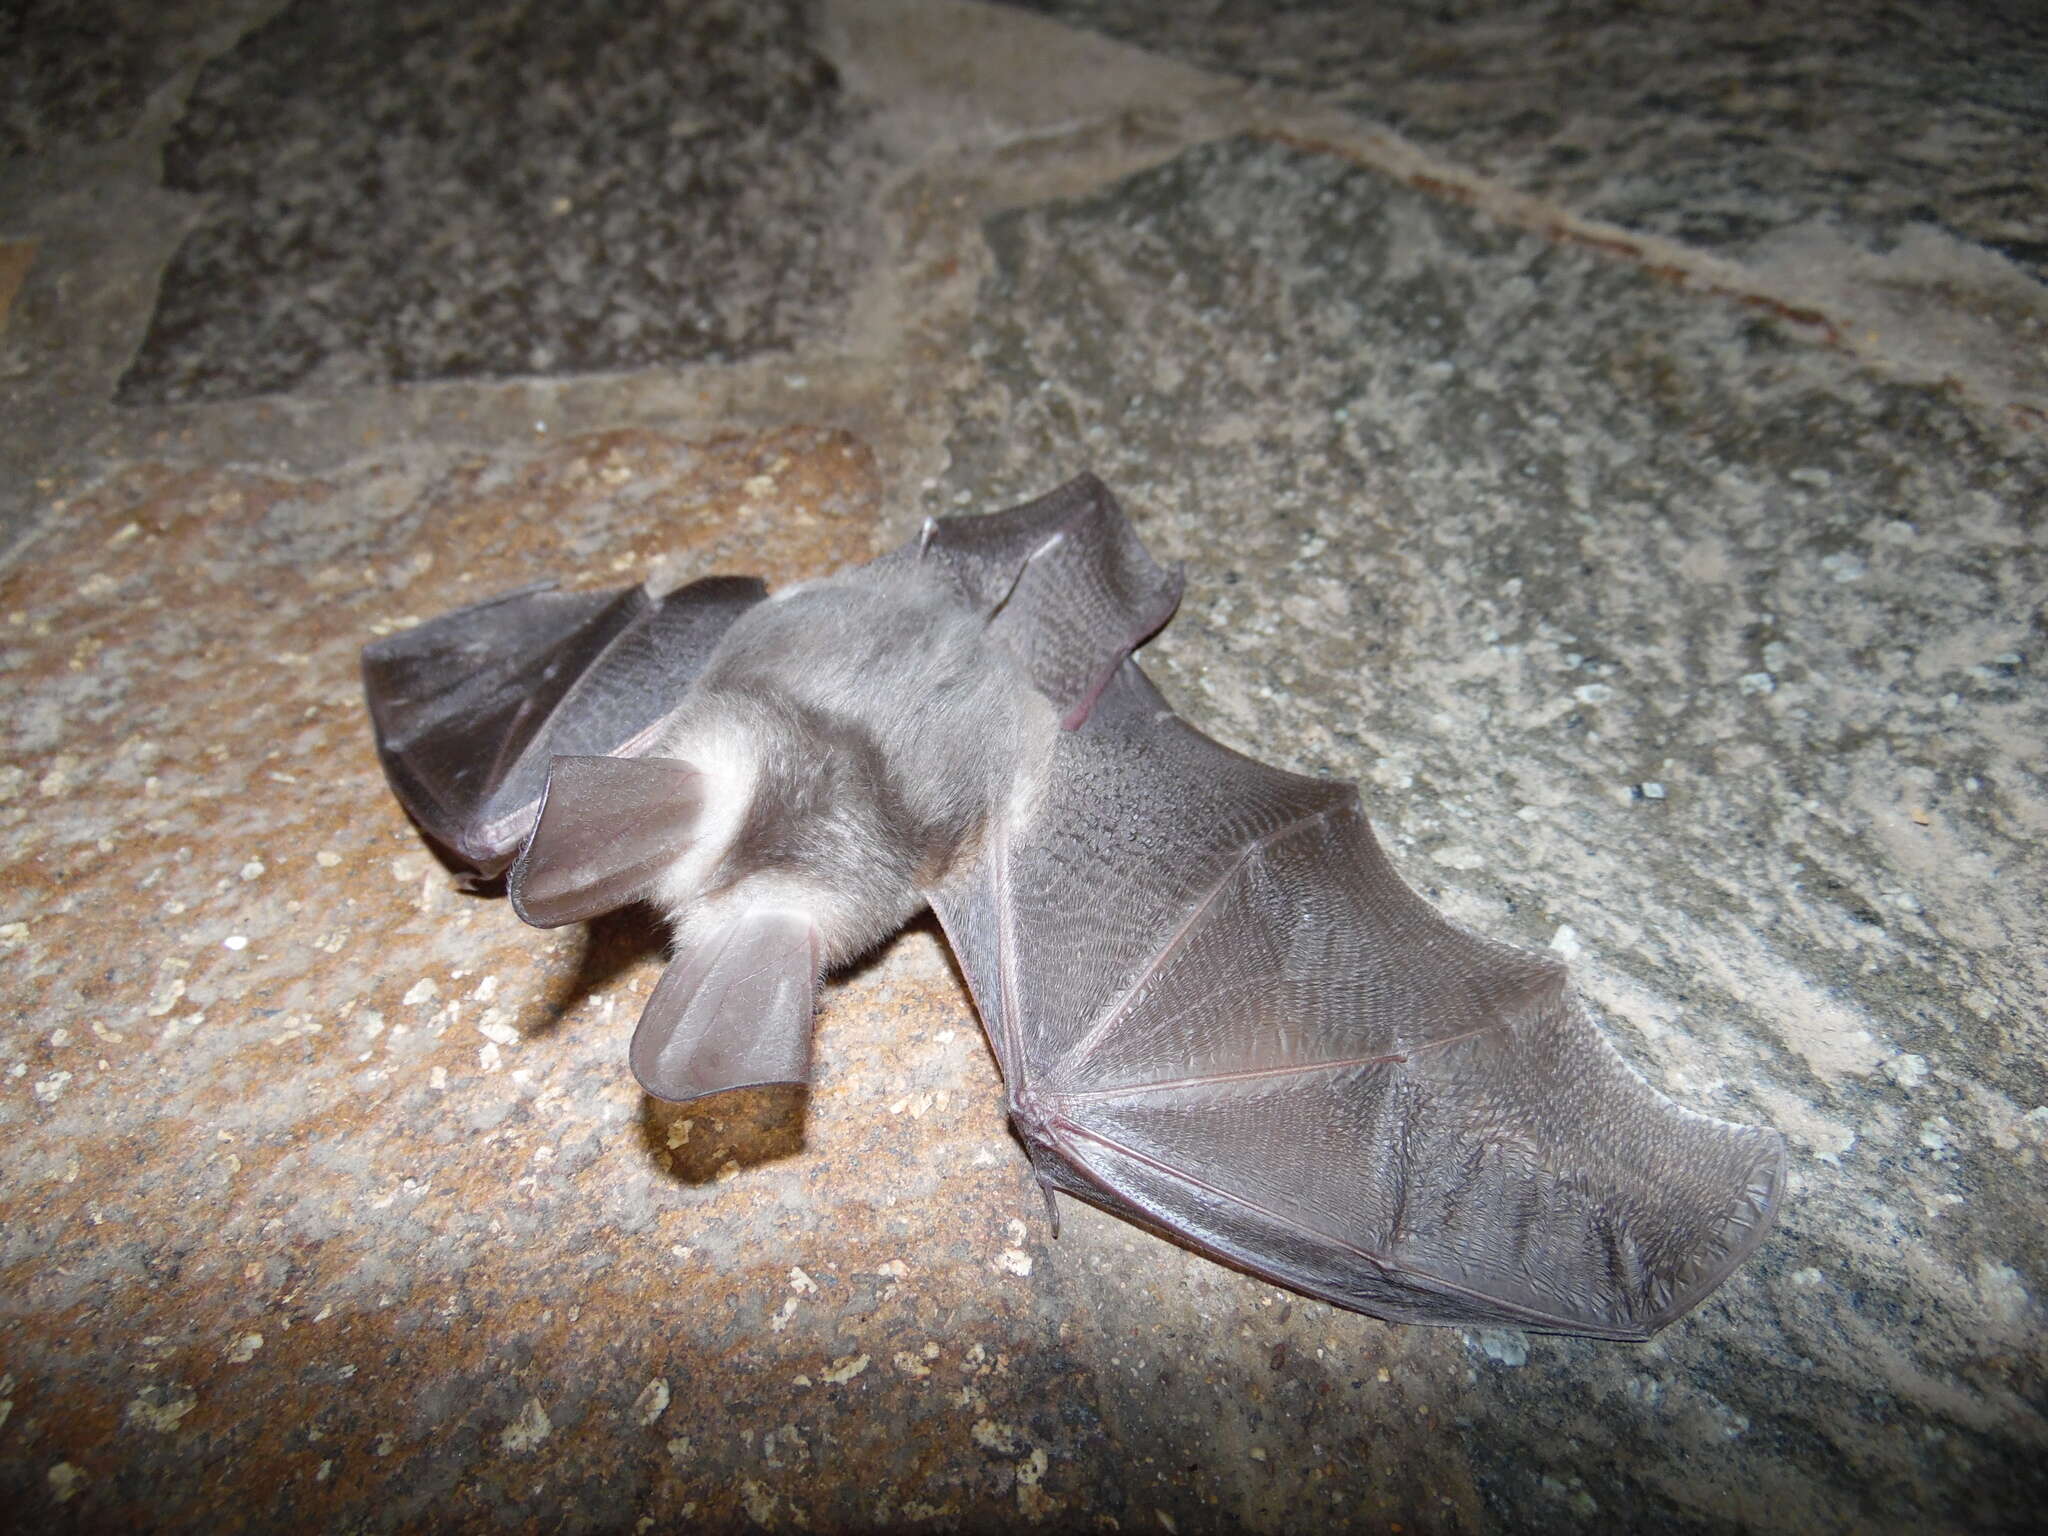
(1525, 1164)
(1308, 951)
(1136, 836)
(1240, 1025)
(469, 708)
(456, 702)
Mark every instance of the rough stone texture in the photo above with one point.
(332, 1180)
(1873, 165)
(1716, 124)
(1679, 605)
(16, 257)
(76, 70)
(1649, 624)
(398, 191)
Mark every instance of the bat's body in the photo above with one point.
(866, 732)
(1218, 1010)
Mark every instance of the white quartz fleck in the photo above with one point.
(845, 1368)
(652, 1402)
(529, 1429)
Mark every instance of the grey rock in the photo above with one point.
(397, 191)
(1501, 528)
(1661, 412)
(1716, 125)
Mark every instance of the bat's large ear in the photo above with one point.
(608, 826)
(734, 1011)
(1065, 584)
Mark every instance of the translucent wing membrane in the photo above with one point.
(469, 708)
(1218, 1009)
(1221, 1012)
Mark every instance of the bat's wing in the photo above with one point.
(470, 708)
(1221, 1013)
(1068, 587)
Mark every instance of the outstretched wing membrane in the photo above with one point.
(1220, 1012)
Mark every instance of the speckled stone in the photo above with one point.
(329, 1200)
(1672, 612)
(1719, 125)
(400, 191)
(16, 257)
(1662, 635)
(73, 70)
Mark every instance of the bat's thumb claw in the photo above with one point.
(1052, 1209)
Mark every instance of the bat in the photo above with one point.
(1217, 1009)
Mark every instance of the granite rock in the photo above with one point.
(331, 1181)
(1666, 638)
(396, 191)
(1669, 570)
(1717, 125)
(79, 73)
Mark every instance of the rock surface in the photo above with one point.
(395, 192)
(1654, 529)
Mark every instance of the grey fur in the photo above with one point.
(881, 729)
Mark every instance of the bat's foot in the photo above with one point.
(1052, 1206)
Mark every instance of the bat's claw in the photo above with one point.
(1052, 1207)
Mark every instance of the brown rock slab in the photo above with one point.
(16, 257)
(329, 1191)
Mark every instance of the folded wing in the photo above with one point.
(469, 708)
